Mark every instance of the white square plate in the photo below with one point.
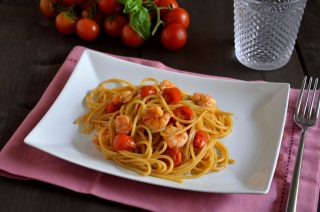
(259, 107)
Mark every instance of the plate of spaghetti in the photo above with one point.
(156, 129)
(167, 128)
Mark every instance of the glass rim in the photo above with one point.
(275, 3)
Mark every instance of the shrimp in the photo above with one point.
(175, 140)
(126, 96)
(203, 100)
(105, 137)
(166, 84)
(123, 124)
(155, 118)
(121, 98)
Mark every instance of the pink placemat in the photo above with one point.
(24, 162)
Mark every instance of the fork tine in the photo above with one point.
(314, 90)
(298, 104)
(317, 107)
(306, 98)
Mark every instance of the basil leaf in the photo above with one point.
(140, 22)
(131, 5)
(139, 17)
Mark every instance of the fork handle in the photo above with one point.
(293, 194)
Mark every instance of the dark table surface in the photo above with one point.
(33, 51)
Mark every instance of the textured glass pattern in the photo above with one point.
(266, 31)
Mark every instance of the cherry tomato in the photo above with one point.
(97, 16)
(172, 95)
(131, 37)
(66, 23)
(179, 16)
(147, 90)
(88, 4)
(123, 142)
(174, 36)
(110, 108)
(47, 9)
(87, 29)
(113, 25)
(183, 112)
(68, 2)
(200, 139)
(167, 3)
(85, 13)
(87, 8)
(175, 154)
(109, 6)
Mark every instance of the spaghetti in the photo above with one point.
(157, 129)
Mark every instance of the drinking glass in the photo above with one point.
(265, 31)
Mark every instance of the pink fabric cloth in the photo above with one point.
(22, 161)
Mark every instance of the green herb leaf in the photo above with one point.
(132, 6)
(140, 22)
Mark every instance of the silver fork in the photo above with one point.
(305, 116)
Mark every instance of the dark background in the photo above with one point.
(32, 51)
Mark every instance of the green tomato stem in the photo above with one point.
(159, 21)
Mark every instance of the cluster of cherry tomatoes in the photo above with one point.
(132, 20)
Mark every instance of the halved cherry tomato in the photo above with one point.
(174, 36)
(201, 138)
(110, 108)
(172, 95)
(113, 25)
(178, 16)
(87, 29)
(147, 90)
(183, 112)
(175, 154)
(47, 9)
(66, 23)
(123, 142)
(109, 6)
(131, 37)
